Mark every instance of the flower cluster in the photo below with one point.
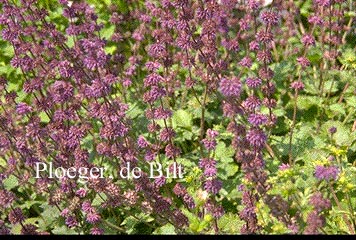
(316, 220)
(183, 84)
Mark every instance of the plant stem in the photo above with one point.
(292, 128)
(202, 120)
(352, 230)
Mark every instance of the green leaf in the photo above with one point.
(306, 7)
(63, 230)
(282, 71)
(16, 229)
(348, 58)
(28, 204)
(332, 86)
(130, 223)
(49, 215)
(182, 118)
(226, 170)
(194, 224)
(165, 230)
(44, 118)
(351, 101)
(305, 102)
(10, 182)
(224, 153)
(230, 224)
(98, 200)
(107, 32)
(33, 221)
(110, 49)
(338, 109)
(3, 162)
(343, 136)
(314, 55)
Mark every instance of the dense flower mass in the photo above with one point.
(230, 87)
(326, 173)
(177, 117)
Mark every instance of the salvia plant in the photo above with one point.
(199, 117)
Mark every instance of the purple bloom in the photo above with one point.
(150, 155)
(265, 73)
(97, 231)
(210, 171)
(244, 24)
(172, 151)
(180, 219)
(253, 82)
(284, 166)
(209, 144)
(71, 222)
(324, 3)
(257, 119)
(316, 20)
(308, 40)
(152, 79)
(326, 173)
(23, 108)
(81, 192)
(162, 113)
(264, 36)
(319, 202)
(332, 130)
(157, 50)
(179, 190)
(6, 198)
(16, 216)
(65, 212)
(293, 227)
(214, 209)
(141, 142)
(166, 134)
(303, 61)
(230, 87)
(253, 4)
(246, 62)
(251, 103)
(152, 66)
(269, 17)
(62, 91)
(207, 162)
(256, 137)
(26, 63)
(3, 229)
(314, 223)
(65, 69)
(231, 45)
(159, 182)
(213, 186)
(264, 56)
(93, 218)
(29, 229)
(86, 207)
(212, 133)
(154, 94)
(96, 61)
(189, 201)
(254, 46)
(297, 85)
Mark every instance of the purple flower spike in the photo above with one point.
(326, 173)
